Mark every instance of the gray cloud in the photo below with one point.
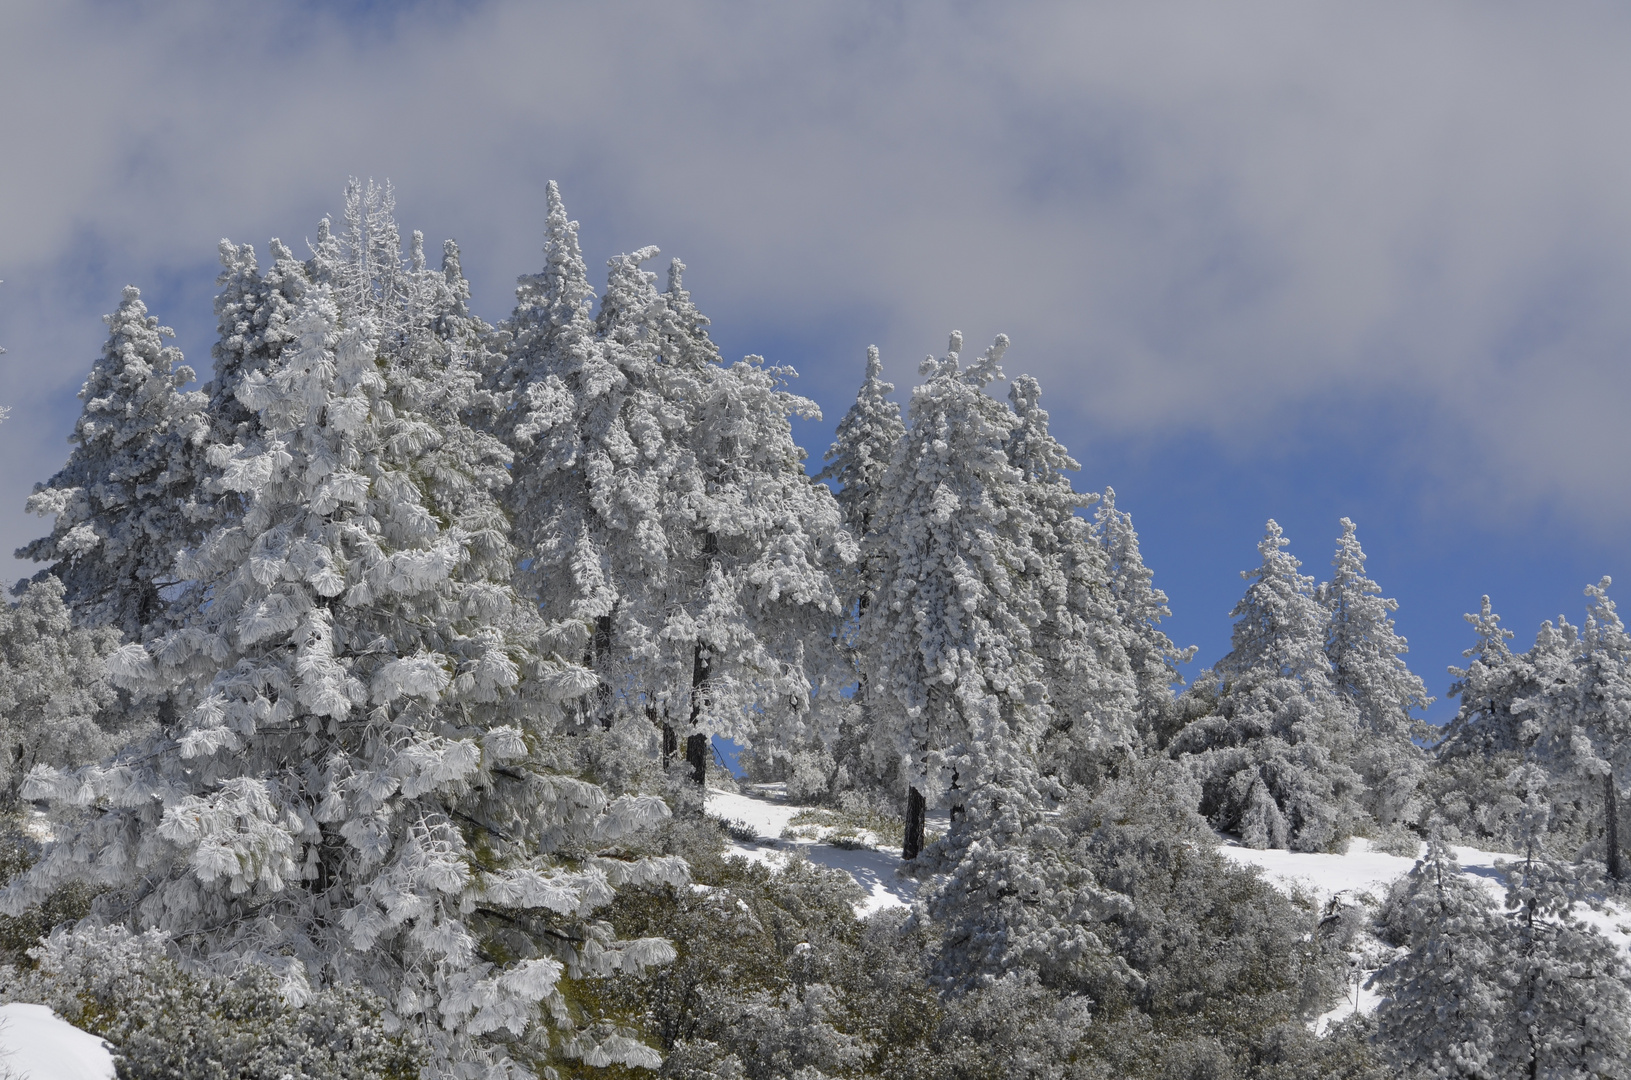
(1191, 217)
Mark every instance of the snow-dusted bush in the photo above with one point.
(1122, 901)
(165, 1023)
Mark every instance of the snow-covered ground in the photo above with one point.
(769, 817)
(36, 1045)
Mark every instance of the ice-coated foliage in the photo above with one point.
(668, 529)
(252, 314)
(56, 705)
(166, 1023)
(126, 501)
(1368, 668)
(1274, 756)
(1090, 679)
(948, 648)
(350, 791)
(1139, 609)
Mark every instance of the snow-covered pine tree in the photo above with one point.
(56, 704)
(593, 453)
(1091, 686)
(1368, 668)
(947, 646)
(1570, 1006)
(867, 440)
(1488, 738)
(673, 538)
(1582, 709)
(1443, 997)
(758, 613)
(1274, 757)
(1139, 609)
(352, 791)
(126, 501)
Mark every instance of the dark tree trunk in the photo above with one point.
(696, 755)
(1611, 812)
(602, 645)
(696, 744)
(915, 812)
(671, 743)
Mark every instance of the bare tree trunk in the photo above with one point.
(1611, 813)
(915, 812)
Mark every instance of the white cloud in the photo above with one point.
(1190, 217)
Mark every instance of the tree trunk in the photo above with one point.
(1611, 813)
(602, 645)
(671, 743)
(696, 754)
(915, 811)
(696, 744)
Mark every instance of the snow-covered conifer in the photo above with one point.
(1489, 737)
(947, 646)
(1582, 710)
(759, 613)
(1091, 686)
(671, 534)
(1139, 609)
(1570, 1007)
(1274, 757)
(1443, 998)
(56, 705)
(351, 791)
(126, 501)
(1368, 668)
(867, 440)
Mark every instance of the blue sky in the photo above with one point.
(1267, 259)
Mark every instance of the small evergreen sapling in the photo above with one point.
(1569, 1012)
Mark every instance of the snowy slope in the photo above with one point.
(874, 870)
(1362, 872)
(35, 1045)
